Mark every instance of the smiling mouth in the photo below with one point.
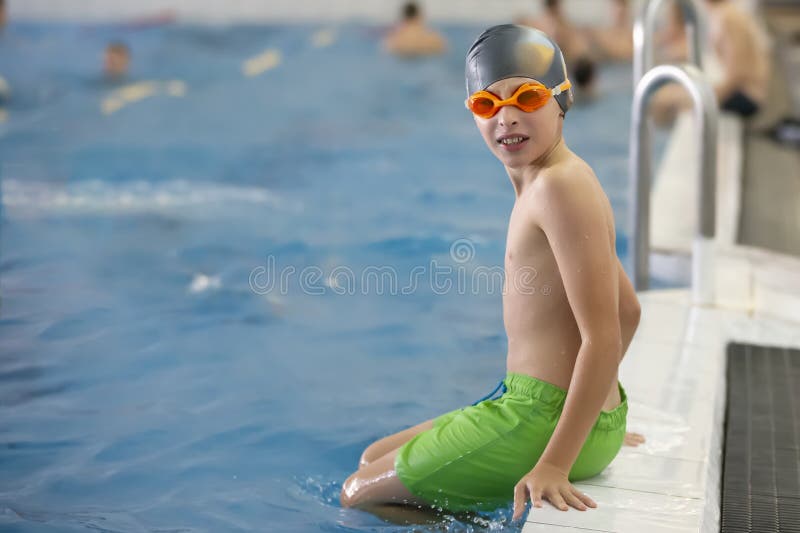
(512, 140)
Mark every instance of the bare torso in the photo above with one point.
(732, 32)
(543, 336)
(414, 39)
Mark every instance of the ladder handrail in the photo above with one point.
(705, 114)
(647, 79)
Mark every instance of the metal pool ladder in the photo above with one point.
(648, 79)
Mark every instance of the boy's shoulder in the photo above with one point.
(564, 191)
(566, 175)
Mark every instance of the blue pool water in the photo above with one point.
(149, 380)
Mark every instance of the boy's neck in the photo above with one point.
(522, 177)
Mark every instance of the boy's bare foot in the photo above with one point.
(633, 439)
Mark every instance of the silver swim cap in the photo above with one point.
(510, 50)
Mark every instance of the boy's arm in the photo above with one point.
(575, 223)
(577, 229)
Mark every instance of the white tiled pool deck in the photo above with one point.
(674, 374)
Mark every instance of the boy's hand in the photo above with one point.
(548, 481)
(633, 439)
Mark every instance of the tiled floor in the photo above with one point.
(626, 510)
(674, 375)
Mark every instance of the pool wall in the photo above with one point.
(594, 12)
(582, 11)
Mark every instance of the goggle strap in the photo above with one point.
(564, 86)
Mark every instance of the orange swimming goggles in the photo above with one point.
(528, 97)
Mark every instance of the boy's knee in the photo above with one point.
(367, 456)
(347, 498)
(356, 492)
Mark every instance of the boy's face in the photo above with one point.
(538, 130)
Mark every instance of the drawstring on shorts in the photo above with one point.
(500, 385)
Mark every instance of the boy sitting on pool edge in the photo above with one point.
(562, 415)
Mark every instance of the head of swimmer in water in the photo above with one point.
(506, 62)
(116, 60)
(411, 12)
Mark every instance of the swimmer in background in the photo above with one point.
(412, 37)
(3, 15)
(584, 72)
(672, 43)
(555, 23)
(739, 46)
(614, 43)
(569, 309)
(573, 44)
(116, 61)
(115, 70)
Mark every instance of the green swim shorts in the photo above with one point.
(474, 456)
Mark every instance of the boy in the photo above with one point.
(567, 326)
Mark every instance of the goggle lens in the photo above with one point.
(482, 106)
(533, 98)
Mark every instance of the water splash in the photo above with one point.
(326, 492)
(202, 283)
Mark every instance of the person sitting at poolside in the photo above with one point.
(569, 310)
(412, 37)
(555, 23)
(672, 43)
(584, 73)
(614, 43)
(743, 57)
(573, 44)
(116, 61)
